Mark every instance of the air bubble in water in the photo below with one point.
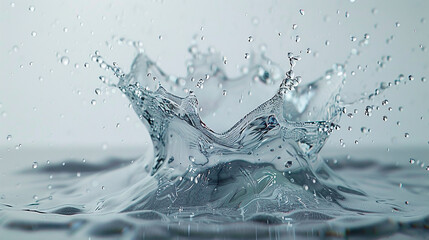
(97, 91)
(385, 118)
(93, 102)
(301, 11)
(397, 24)
(294, 26)
(33, 33)
(9, 137)
(65, 60)
(412, 160)
(353, 38)
(411, 77)
(32, 8)
(246, 55)
(250, 39)
(35, 165)
(423, 79)
(406, 135)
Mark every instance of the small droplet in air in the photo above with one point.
(35, 165)
(65, 29)
(353, 38)
(250, 39)
(246, 55)
(411, 77)
(33, 33)
(366, 36)
(347, 14)
(192, 158)
(97, 91)
(412, 160)
(327, 43)
(384, 102)
(32, 8)
(86, 65)
(65, 60)
(294, 26)
(406, 135)
(397, 24)
(385, 118)
(301, 11)
(224, 92)
(93, 102)
(9, 137)
(297, 38)
(423, 79)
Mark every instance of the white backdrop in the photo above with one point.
(46, 103)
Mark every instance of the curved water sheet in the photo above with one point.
(242, 151)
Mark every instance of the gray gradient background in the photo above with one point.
(56, 112)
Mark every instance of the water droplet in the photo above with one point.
(385, 118)
(406, 135)
(250, 39)
(224, 92)
(412, 160)
(423, 79)
(366, 36)
(294, 26)
(246, 55)
(327, 43)
(33, 33)
(297, 38)
(65, 29)
(35, 165)
(86, 65)
(384, 102)
(65, 60)
(411, 77)
(31, 8)
(301, 11)
(397, 24)
(353, 38)
(192, 158)
(97, 91)
(9, 137)
(347, 14)
(93, 102)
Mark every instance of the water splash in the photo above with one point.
(220, 158)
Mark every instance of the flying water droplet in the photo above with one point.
(65, 60)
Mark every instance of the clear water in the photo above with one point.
(233, 158)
